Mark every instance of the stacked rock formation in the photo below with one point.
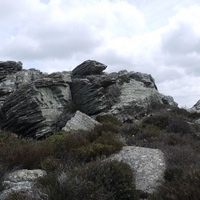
(35, 104)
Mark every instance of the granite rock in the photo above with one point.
(148, 165)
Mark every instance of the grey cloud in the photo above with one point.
(181, 40)
(188, 63)
(53, 41)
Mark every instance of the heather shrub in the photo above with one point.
(170, 122)
(96, 180)
(179, 185)
(157, 107)
(108, 119)
(85, 145)
(147, 131)
(179, 111)
(161, 120)
(21, 153)
(194, 115)
(50, 164)
(140, 134)
(179, 125)
(19, 196)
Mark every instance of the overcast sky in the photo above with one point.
(158, 37)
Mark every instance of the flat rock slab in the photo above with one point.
(80, 121)
(148, 165)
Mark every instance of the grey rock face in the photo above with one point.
(32, 109)
(91, 93)
(21, 181)
(33, 103)
(147, 79)
(80, 121)
(124, 94)
(9, 67)
(195, 108)
(89, 67)
(136, 96)
(14, 81)
(148, 165)
(90, 96)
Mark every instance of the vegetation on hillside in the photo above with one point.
(75, 164)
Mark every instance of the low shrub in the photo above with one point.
(179, 125)
(179, 185)
(96, 180)
(140, 134)
(194, 115)
(108, 119)
(85, 145)
(19, 196)
(161, 120)
(21, 153)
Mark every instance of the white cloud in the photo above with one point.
(162, 39)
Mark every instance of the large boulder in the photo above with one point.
(89, 95)
(89, 87)
(31, 110)
(21, 181)
(80, 121)
(89, 67)
(148, 164)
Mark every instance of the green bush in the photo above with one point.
(96, 180)
(179, 185)
(194, 115)
(85, 145)
(21, 153)
(161, 120)
(179, 125)
(108, 119)
(19, 196)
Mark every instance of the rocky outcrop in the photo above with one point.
(89, 67)
(21, 181)
(89, 95)
(195, 108)
(148, 165)
(31, 110)
(126, 95)
(89, 87)
(33, 103)
(136, 98)
(80, 121)
(14, 81)
(8, 68)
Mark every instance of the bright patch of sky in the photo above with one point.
(161, 38)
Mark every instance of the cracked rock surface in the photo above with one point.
(148, 165)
